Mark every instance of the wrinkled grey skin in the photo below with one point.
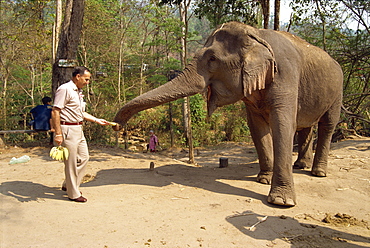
(286, 84)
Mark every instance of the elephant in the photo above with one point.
(287, 85)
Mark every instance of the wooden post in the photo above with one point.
(151, 168)
(224, 162)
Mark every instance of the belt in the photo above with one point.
(71, 123)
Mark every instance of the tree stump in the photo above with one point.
(224, 162)
(151, 168)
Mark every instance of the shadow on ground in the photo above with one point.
(292, 231)
(200, 177)
(26, 191)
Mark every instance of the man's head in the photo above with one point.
(46, 100)
(81, 76)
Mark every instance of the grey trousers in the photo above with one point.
(75, 141)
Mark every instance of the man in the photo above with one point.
(68, 114)
(42, 117)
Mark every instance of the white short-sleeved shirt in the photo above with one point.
(69, 99)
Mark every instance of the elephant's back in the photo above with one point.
(320, 77)
(320, 87)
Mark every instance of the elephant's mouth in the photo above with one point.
(217, 96)
(209, 92)
(211, 101)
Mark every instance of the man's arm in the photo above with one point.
(89, 117)
(51, 125)
(55, 116)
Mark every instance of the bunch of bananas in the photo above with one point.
(59, 153)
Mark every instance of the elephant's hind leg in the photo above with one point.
(305, 152)
(325, 131)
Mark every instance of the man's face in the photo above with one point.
(83, 80)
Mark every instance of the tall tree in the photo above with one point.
(124, 22)
(265, 4)
(184, 6)
(56, 26)
(68, 42)
(277, 15)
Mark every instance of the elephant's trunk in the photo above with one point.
(188, 83)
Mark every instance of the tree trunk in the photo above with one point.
(56, 28)
(265, 12)
(323, 23)
(68, 42)
(277, 15)
(171, 75)
(4, 96)
(186, 107)
(171, 124)
(142, 78)
(121, 79)
(33, 82)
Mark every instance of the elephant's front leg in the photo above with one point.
(262, 139)
(283, 128)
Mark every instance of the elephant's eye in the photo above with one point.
(212, 58)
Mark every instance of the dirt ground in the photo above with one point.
(182, 205)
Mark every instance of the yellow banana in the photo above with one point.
(56, 157)
(59, 153)
(65, 153)
(53, 152)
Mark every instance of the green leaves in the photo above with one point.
(220, 11)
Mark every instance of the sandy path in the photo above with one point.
(181, 205)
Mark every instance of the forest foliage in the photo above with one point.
(132, 46)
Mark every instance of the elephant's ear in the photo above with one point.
(259, 65)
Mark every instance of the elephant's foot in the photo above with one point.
(319, 171)
(264, 177)
(302, 164)
(282, 196)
